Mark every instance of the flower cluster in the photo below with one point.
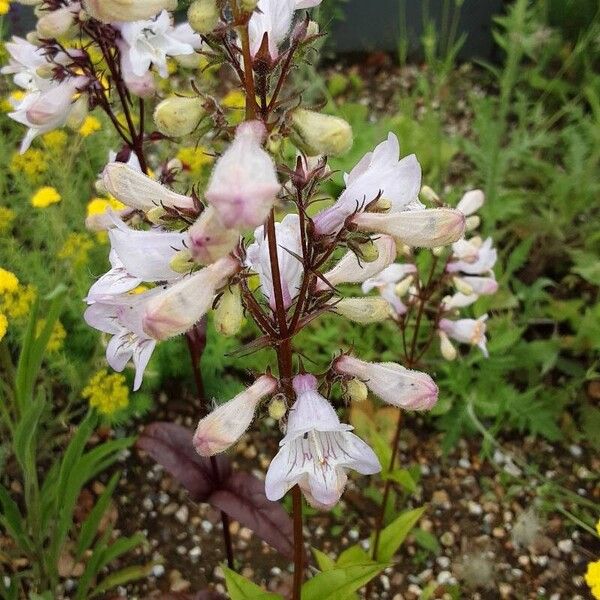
(15, 299)
(108, 393)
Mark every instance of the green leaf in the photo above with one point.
(25, 436)
(395, 533)
(12, 521)
(122, 577)
(402, 477)
(240, 588)
(325, 562)
(340, 582)
(426, 540)
(353, 556)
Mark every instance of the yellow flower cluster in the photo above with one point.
(592, 578)
(57, 337)
(107, 393)
(195, 159)
(3, 326)
(32, 164)
(7, 217)
(55, 140)
(98, 206)
(4, 6)
(45, 197)
(9, 282)
(15, 299)
(76, 249)
(90, 126)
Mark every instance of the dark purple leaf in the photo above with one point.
(243, 498)
(170, 445)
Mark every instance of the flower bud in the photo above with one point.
(368, 252)
(356, 390)
(56, 23)
(180, 306)
(177, 116)
(248, 5)
(391, 382)
(155, 215)
(419, 228)
(316, 133)
(446, 347)
(109, 11)
(467, 331)
(437, 251)
(363, 310)
(403, 286)
(382, 205)
(429, 194)
(462, 286)
(473, 222)
(229, 313)
(182, 262)
(278, 407)
(471, 202)
(224, 426)
(351, 270)
(203, 15)
(209, 240)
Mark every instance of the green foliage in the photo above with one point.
(240, 588)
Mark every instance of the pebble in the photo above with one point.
(276, 571)
(245, 534)
(385, 582)
(158, 570)
(182, 514)
(148, 504)
(170, 509)
(177, 582)
(353, 534)
(498, 532)
(523, 560)
(505, 590)
(447, 538)
(195, 552)
(474, 508)
(575, 450)
(181, 550)
(440, 499)
(464, 463)
(207, 526)
(444, 577)
(565, 546)
(443, 561)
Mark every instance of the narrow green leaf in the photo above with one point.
(24, 442)
(121, 546)
(402, 477)
(240, 588)
(325, 562)
(340, 582)
(12, 521)
(395, 533)
(354, 555)
(24, 365)
(122, 577)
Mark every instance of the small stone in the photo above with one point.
(447, 539)
(158, 570)
(276, 571)
(170, 509)
(182, 514)
(498, 532)
(443, 561)
(474, 508)
(353, 534)
(195, 552)
(523, 560)
(69, 585)
(565, 546)
(177, 582)
(425, 576)
(181, 550)
(464, 463)
(505, 590)
(575, 450)
(440, 499)
(207, 526)
(385, 582)
(147, 504)
(246, 534)
(444, 577)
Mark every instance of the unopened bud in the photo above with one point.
(312, 29)
(363, 310)
(446, 347)
(203, 15)
(182, 262)
(248, 5)
(56, 23)
(277, 407)
(429, 194)
(109, 11)
(154, 215)
(368, 252)
(402, 249)
(404, 285)
(356, 390)
(473, 222)
(382, 205)
(316, 133)
(476, 241)
(45, 71)
(462, 286)
(33, 38)
(437, 251)
(178, 116)
(229, 314)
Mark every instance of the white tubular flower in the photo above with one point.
(426, 228)
(177, 308)
(121, 316)
(151, 42)
(116, 281)
(387, 283)
(290, 268)
(467, 331)
(110, 11)
(482, 286)
(317, 450)
(362, 310)
(139, 191)
(471, 202)
(46, 110)
(142, 86)
(209, 240)
(459, 300)
(351, 269)
(24, 63)
(243, 184)
(56, 23)
(379, 173)
(224, 426)
(473, 258)
(411, 390)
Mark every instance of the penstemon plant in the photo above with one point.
(259, 216)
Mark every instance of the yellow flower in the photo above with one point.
(7, 216)
(107, 393)
(17, 303)
(9, 282)
(55, 140)
(33, 164)
(76, 249)
(3, 326)
(98, 206)
(592, 578)
(195, 159)
(57, 337)
(45, 196)
(235, 99)
(4, 6)
(90, 126)
(140, 289)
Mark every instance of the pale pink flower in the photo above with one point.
(177, 308)
(24, 64)
(143, 85)
(116, 281)
(243, 186)
(472, 257)
(317, 450)
(209, 240)
(290, 268)
(391, 382)
(224, 426)
(351, 269)
(467, 331)
(386, 283)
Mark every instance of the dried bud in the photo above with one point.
(109, 11)
(278, 407)
(57, 23)
(316, 133)
(312, 29)
(356, 390)
(227, 423)
(363, 310)
(178, 116)
(203, 15)
(229, 314)
(391, 382)
(446, 347)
